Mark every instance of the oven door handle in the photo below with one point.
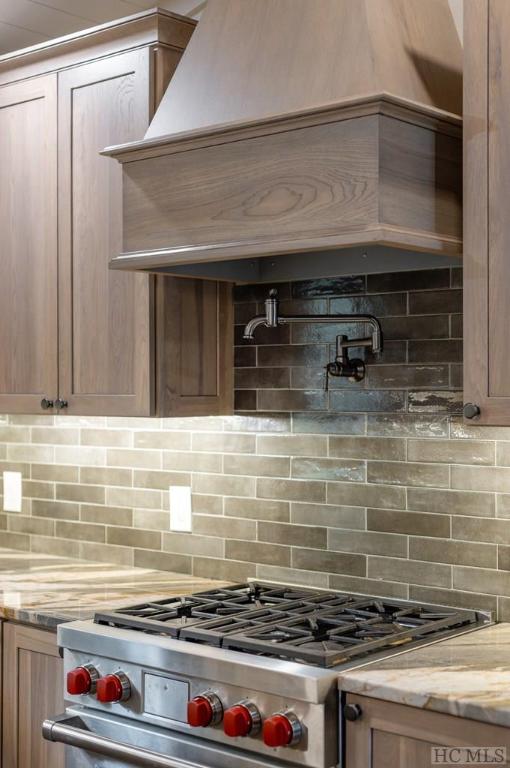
(67, 730)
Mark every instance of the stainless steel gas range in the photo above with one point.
(238, 677)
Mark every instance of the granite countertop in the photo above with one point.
(467, 676)
(48, 590)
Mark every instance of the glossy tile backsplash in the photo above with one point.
(375, 487)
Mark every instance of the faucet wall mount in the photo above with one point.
(342, 365)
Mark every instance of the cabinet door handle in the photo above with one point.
(45, 403)
(471, 410)
(352, 712)
(59, 403)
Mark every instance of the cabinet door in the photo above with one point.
(106, 359)
(486, 220)
(391, 735)
(195, 347)
(28, 247)
(32, 691)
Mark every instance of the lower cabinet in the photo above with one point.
(387, 735)
(32, 691)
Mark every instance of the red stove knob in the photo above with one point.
(204, 710)
(82, 680)
(112, 688)
(242, 719)
(282, 730)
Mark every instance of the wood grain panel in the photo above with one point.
(476, 252)
(498, 195)
(259, 58)
(164, 61)
(486, 226)
(144, 28)
(421, 178)
(389, 735)
(105, 337)
(194, 322)
(195, 347)
(291, 183)
(28, 222)
(370, 179)
(33, 691)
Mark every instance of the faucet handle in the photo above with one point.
(332, 369)
(271, 305)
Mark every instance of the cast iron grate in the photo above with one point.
(299, 624)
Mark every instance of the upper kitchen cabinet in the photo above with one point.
(100, 339)
(28, 222)
(486, 220)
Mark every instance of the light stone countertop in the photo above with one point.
(467, 676)
(47, 590)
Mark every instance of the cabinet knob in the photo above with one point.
(59, 403)
(471, 411)
(352, 712)
(45, 403)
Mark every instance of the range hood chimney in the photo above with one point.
(327, 129)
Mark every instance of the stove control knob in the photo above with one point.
(242, 719)
(204, 710)
(282, 730)
(112, 688)
(82, 680)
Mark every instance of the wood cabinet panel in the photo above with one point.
(28, 223)
(117, 347)
(498, 106)
(105, 335)
(71, 328)
(486, 223)
(195, 347)
(372, 178)
(32, 691)
(389, 735)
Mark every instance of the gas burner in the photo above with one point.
(305, 625)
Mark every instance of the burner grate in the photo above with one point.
(305, 625)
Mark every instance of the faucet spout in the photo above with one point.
(272, 319)
(343, 365)
(269, 320)
(252, 326)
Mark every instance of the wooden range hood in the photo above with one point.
(300, 126)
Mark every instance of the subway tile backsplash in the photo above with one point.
(376, 487)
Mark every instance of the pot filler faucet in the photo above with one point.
(342, 366)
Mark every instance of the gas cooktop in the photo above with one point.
(303, 625)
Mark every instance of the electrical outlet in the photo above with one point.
(180, 508)
(12, 491)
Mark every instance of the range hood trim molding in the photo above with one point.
(395, 237)
(386, 104)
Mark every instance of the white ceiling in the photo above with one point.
(27, 22)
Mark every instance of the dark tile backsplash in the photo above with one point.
(419, 369)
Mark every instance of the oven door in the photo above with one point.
(99, 740)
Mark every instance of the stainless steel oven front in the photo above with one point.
(100, 740)
(148, 724)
